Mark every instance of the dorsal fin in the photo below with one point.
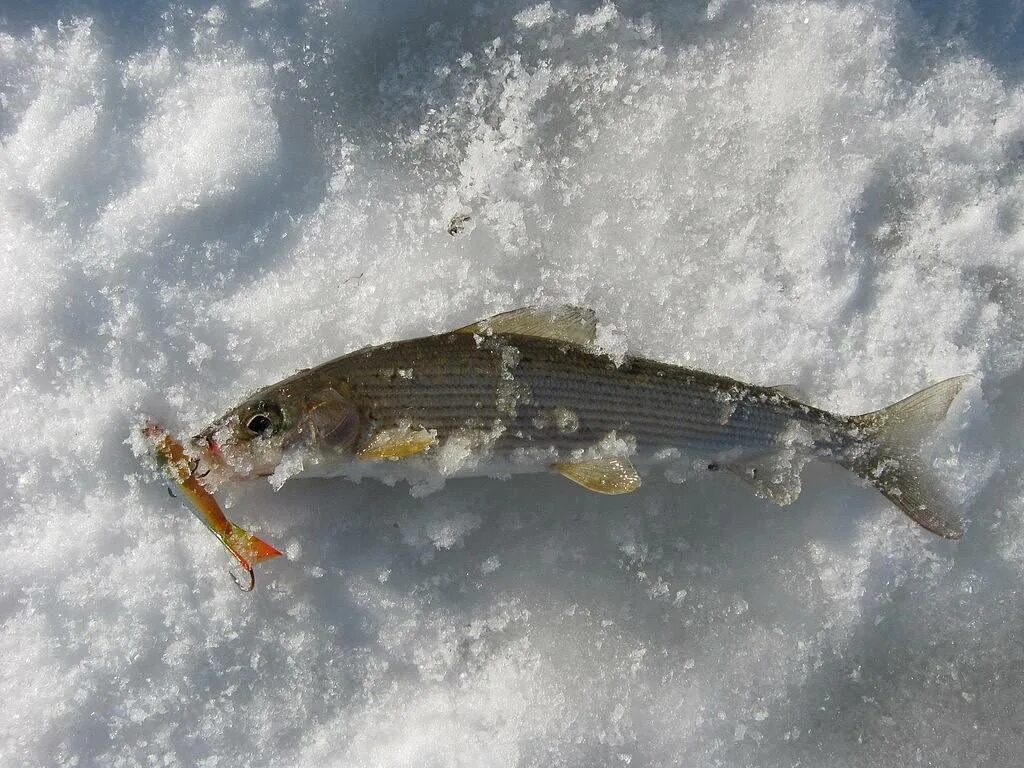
(575, 325)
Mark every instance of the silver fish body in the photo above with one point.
(525, 392)
(539, 393)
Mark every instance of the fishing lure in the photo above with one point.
(243, 546)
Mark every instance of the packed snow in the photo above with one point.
(197, 199)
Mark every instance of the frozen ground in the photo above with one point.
(198, 199)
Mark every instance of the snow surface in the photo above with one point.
(197, 199)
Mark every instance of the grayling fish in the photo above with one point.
(524, 391)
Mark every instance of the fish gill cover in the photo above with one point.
(197, 199)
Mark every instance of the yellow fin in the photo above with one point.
(575, 325)
(398, 443)
(611, 475)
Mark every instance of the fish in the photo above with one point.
(246, 548)
(528, 391)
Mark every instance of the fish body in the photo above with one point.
(536, 395)
(525, 391)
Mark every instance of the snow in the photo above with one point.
(198, 199)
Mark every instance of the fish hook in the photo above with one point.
(249, 583)
(193, 465)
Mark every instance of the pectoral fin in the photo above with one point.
(398, 443)
(575, 325)
(607, 475)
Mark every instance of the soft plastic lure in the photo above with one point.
(243, 546)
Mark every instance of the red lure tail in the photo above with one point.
(249, 548)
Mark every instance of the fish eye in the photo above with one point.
(264, 421)
(259, 424)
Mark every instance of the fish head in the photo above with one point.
(320, 423)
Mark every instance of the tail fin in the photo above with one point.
(887, 455)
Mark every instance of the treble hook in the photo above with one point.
(193, 465)
(250, 581)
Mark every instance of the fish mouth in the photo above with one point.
(208, 456)
(212, 461)
(208, 444)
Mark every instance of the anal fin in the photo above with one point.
(774, 477)
(610, 475)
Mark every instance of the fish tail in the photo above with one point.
(886, 454)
